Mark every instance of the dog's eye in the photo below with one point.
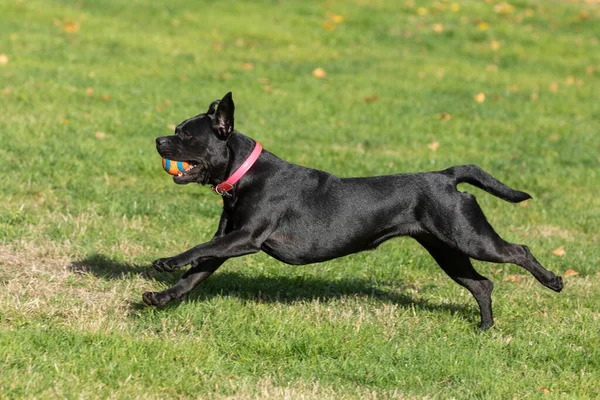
(187, 136)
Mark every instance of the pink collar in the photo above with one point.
(224, 187)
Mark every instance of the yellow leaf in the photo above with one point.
(455, 7)
(328, 25)
(512, 278)
(559, 251)
(479, 97)
(589, 70)
(3, 59)
(534, 96)
(495, 45)
(570, 272)
(434, 145)
(438, 28)
(554, 86)
(319, 73)
(504, 8)
(570, 80)
(101, 135)
(89, 91)
(483, 26)
(422, 11)
(171, 127)
(338, 19)
(71, 27)
(247, 66)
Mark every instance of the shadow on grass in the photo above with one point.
(281, 289)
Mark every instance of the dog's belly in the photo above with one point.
(298, 249)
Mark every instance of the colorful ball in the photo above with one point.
(174, 167)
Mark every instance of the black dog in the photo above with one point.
(300, 215)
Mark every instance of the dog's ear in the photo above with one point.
(223, 117)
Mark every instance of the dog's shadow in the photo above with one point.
(281, 289)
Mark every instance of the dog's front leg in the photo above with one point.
(200, 271)
(233, 244)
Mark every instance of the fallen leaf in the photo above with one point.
(105, 97)
(544, 389)
(184, 78)
(319, 73)
(570, 80)
(438, 28)
(328, 25)
(3, 59)
(524, 203)
(589, 70)
(534, 96)
(171, 127)
(559, 251)
(492, 67)
(71, 27)
(483, 26)
(514, 88)
(446, 116)
(554, 137)
(504, 8)
(570, 272)
(583, 16)
(512, 278)
(371, 99)
(495, 45)
(101, 135)
(422, 11)
(553, 86)
(479, 97)
(268, 89)
(247, 66)
(92, 75)
(89, 91)
(264, 81)
(434, 145)
(338, 19)
(7, 90)
(508, 340)
(455, 7)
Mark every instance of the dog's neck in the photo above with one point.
(240, 147)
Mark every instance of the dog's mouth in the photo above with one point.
(194, 173)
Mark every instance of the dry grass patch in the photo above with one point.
(48, 283)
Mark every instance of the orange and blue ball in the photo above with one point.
(174, 167)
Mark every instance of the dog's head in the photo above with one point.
(202, 142)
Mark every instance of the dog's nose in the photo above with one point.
(160, 141)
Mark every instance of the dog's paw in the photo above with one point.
(165, 265)
(156, 299)
(556, 284)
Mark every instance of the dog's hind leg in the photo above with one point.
(199, 271)
(474, 236)
(458, 266)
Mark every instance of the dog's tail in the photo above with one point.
(475, 176)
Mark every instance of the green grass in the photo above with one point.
(82, 215)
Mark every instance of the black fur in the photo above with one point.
(301, 215)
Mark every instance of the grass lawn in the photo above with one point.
(86, 86)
